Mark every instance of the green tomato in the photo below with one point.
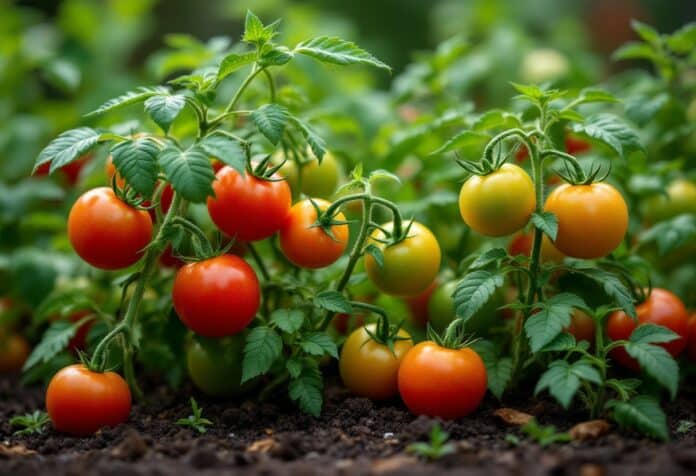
(318, 180)
(441, 310)
(215, 365)
(681, 198)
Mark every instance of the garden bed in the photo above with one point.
(353, 436)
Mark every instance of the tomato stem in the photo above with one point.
(259, 262)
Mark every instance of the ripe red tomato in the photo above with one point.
(368, 368)
(110, 170)
(436, 381)
(217, 297)
(576, 145)
(499, 203)
(418, 304)
(309, 246)
(410, 266)
(661, 308)
(107, 233)
(691, 342)
(246, 207)
(71, 171)
(582, 327)
(592, 219)
(14, 350)
(80, 401)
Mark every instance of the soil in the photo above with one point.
(353, 436)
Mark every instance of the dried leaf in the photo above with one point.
(16, 450)
(589, 430)
(512, 416)
(264, 445)
(394, 464)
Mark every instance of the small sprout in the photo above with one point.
(685, 426)
(195, 421)
(436, 448)
(30, 423)
(545, 435)
(514, 440)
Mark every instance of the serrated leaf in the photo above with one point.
(546, 222)
(225, 149)
(646, 32)
(634, 50)
(263, 347)
(287, 320)
(316, 143)
(652, 334)
(560, 343)
(53, 341)
(132, 97)
(271, 120)
(656, 362)
(275, 56)
(624, 387)
(334, 50)
(553, 316)
(642, 413)
(610, 283)
(294, 366)
(164, 109)
(487, 258)
(529, 90)
(474, 291)
(136, 161)
(254, 30)
(671, 234)
(189, 172)
(319, 343)
(307, 391)
(333, 301)
(67, 147)
(612, 131)
(462, 139)
(234, 62)
(563, 379)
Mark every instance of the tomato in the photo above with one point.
(217, 297)
(576, 145)
(217, 165)
(310, 246)
(71, 171)
(110, 170)
(542, 65)
(691, 342)
(499, 203)
(441, 310)
(681, 198)
(582, 327)
(418, 304)
(318, 180)
(215, 365)
(592, 219)
(410, 266)
(246, 207)
(442, 382)
(661, 308)
(106, 232)
(345, 323)
(80, 401)
(368, 368)
(14, 350)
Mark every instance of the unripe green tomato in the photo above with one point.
(542, 65)
(215, 365)
(681, 198)
(318, 180)
(441, 310)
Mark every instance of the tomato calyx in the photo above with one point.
(385, 333)
(454, 337)
(326, 220)
(264, 170)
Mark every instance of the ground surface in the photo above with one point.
(353, 436)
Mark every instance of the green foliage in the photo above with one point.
(563, 379)
(30, 423)
(544, 435)
(263, 347)
(195, 421)
(434, 449)
(642, 413)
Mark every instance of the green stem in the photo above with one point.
(271, 84)
(600, 354)
(247, 81)
(370, 307)
(257, 259)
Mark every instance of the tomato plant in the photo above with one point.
(215, 365)
(315, 179)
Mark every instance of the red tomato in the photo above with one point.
(110, 170)
(310, 246)
(71, 172)
(418, 304)
(80, 402)
(575, 145)
(106, 232)
(217, 297)
(441, 382)
(691, 344)
(582, 327)
(663, 309)
(246, 207)
(168, 260)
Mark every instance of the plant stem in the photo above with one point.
(257, 259)
(247, 81)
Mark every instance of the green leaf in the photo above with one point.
(68, 147)
(683, 41)
(275, 56)
(496, 119)
(531, 91)
(381, 175)
(136, 161)
(634, 50)
(53, 341)
(287, 320)
(560, 343)
(63, 74)
(337, 51)
(316, 143)
(652, 334)
(612, 131)
(462, 139)
(31, 423)
(319, 343)
(233, 62)
(625, 388)
(609, 282)
(546, 222)
(271, 120)
(164, 109)
(254, 30)
(563, 379)
(376, 253)
(294, 366)
(474, 291)
(138, 95)
(189, 171)
(333, 301)
(553, 316)
(653, 359)
(307, 391)
(641, 109)
(263, 347)
(646, 32)
(225, 149)
(642, 413)
(588, 95)
(671, 234)
(488, 257)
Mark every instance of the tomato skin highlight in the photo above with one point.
(106, 232)
(368, 368)
(248, 208)
(217, 297)
(80, 402)
(215, 365)
(663, 309)
(499, 203)
(410, 266)
(592, 219)
(14, 350)
(441, 382)
(309, 246)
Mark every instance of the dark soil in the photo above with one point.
(353, 436)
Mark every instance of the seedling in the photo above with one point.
(30, 423)
(195, 421)
(436, 448)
